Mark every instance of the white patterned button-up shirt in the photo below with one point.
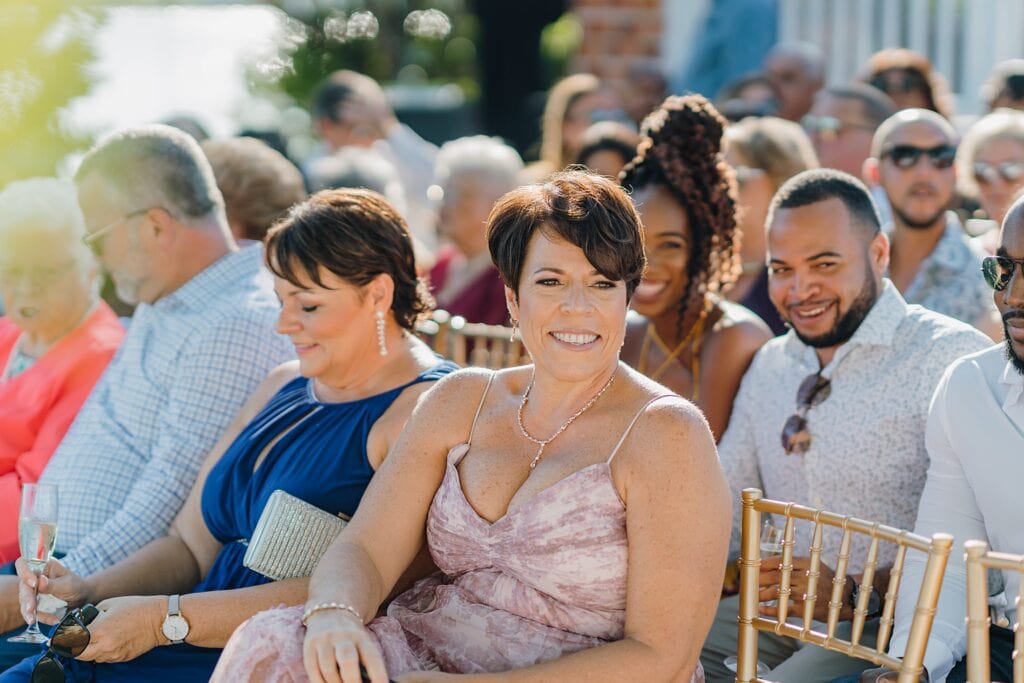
(187, 364)
(867, 455)
(950, 282)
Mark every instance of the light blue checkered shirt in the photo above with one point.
(186, 366)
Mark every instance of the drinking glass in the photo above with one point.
(37, 533)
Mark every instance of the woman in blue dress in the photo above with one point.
(317, 428)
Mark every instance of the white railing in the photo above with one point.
(962, 38)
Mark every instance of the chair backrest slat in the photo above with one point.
(979, 560)
(750, 623)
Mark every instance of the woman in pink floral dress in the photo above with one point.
(576, 509)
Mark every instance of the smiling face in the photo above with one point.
(572, 319)
(920, 193)
(332, 327)
(667, 246)
(825, 273)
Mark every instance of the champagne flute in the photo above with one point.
(37, 534)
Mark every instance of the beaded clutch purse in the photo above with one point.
(290, 537)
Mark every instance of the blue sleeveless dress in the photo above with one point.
(322, 460)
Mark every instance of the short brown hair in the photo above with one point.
(355, 234)
(258, 183)
(586, 210)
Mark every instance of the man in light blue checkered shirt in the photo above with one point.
(200, 342)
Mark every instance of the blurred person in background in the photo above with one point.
(365, 168)
(932, 261)
(990, 164)
(351, 109)
(607, 146)
(258, 184)
(56, 340)
(472, 174)
(573, 104)
(765, 152)
(687, 335)
(1004, 87)
(842, 122)
(749, 95)
(909, 79)
(644, 90)
(732, 40)
(797, 70)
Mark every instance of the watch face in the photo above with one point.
(175, 628)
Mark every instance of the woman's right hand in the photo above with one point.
(336, 644)
(56, 580)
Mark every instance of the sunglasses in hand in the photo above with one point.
(69, 639)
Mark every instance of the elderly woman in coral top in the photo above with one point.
(55, 340)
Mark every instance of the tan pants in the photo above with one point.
(790, 661)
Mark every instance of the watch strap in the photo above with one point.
(173, 605)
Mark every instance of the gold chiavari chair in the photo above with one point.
(751, 623)
(488, 346)
(979, 559)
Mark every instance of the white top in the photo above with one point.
(867, 456)
(976, 442)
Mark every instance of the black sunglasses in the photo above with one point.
(998, 270)
(813, 391)
(901, 81)
(69, 639)
(906, 156)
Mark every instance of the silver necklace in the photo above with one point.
(542, 443)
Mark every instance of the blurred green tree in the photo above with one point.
(44, 61)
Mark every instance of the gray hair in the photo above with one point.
(358, 168)
(156, 166)
(46, 210)
(482, 157)
(1005, 124)
(810, 56)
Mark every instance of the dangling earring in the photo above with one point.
(382, 343)
(515, 328)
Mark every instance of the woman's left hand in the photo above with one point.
(125, 628)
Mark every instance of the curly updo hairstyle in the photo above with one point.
(357, 235)
(681, 150)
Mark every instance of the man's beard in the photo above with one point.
(915, 224)
(848, 322)
(1011, 355)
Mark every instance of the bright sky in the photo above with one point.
(156, 62)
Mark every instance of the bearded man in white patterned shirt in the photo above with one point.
(832, 414)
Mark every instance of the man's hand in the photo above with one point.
(10, 609)
(884, 675)
(770, 578)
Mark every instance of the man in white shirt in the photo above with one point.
(975, 440)
(832, 414)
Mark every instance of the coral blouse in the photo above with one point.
(38, 406)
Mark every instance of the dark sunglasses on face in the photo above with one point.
(998, 270)
(1014, 87)
(1010, 171)
(69, 639)
(906, 156)
(899, 82)
(813, 391)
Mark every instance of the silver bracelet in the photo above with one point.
(321, 606)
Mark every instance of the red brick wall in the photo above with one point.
(616, 35)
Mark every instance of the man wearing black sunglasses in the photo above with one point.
(933, 262)
(832, 414)
(975, 439)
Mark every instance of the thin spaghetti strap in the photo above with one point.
(480, 407)
(635, 418)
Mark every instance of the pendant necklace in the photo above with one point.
(542, 443)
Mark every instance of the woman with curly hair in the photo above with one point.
(689, 337)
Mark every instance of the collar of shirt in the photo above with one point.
(877, 329)
(952, 253)
(223, 273)
(1014, 383)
